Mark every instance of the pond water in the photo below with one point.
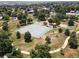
(36, 30)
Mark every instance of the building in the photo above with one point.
(1, 17)
(73, 12)
(30, 10)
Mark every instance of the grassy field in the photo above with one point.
(68, 52)
(57, 40)
(56, 55)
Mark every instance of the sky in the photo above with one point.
(39, 0)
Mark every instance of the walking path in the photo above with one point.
(57, 50)
(25, 52)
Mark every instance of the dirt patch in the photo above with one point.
(70, 53)
(57, 40)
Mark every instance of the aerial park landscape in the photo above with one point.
(39, 29)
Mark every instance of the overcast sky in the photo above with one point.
(39, 0)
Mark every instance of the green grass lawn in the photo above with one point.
(20, 43)
(56, 55)
(26, 56)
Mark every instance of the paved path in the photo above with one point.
(63, 46)
(53, 51)
(5, 56)
(57, 50)
(25, 52)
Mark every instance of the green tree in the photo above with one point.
(6, 17)
(40, 51)
(27, 37)
(59, 9)
(50, 20)
(73, 34)
(73, 43)
(73, 17)
(14, 14)
(19, 16)
(23, 22)
(48, 39)
(56, 20)
(9, 12)
(5, 43)
(29, 20)
(41, 17)
(18, 35)
(23, 19)
(16, 53)
(5, 26)
(61, 16)
(60, 30)
(33, 54)
(70, 23)
(24, 16)
(35, 12)
(67, 32)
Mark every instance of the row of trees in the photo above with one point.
(23, 19)
(60, 15)
(6, 46)
(27, 36)
(73, 43)
(16, 53)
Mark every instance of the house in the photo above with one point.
(30, 10)
(77, 12)
(46, 8)
(1, 17)
(73, 12)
